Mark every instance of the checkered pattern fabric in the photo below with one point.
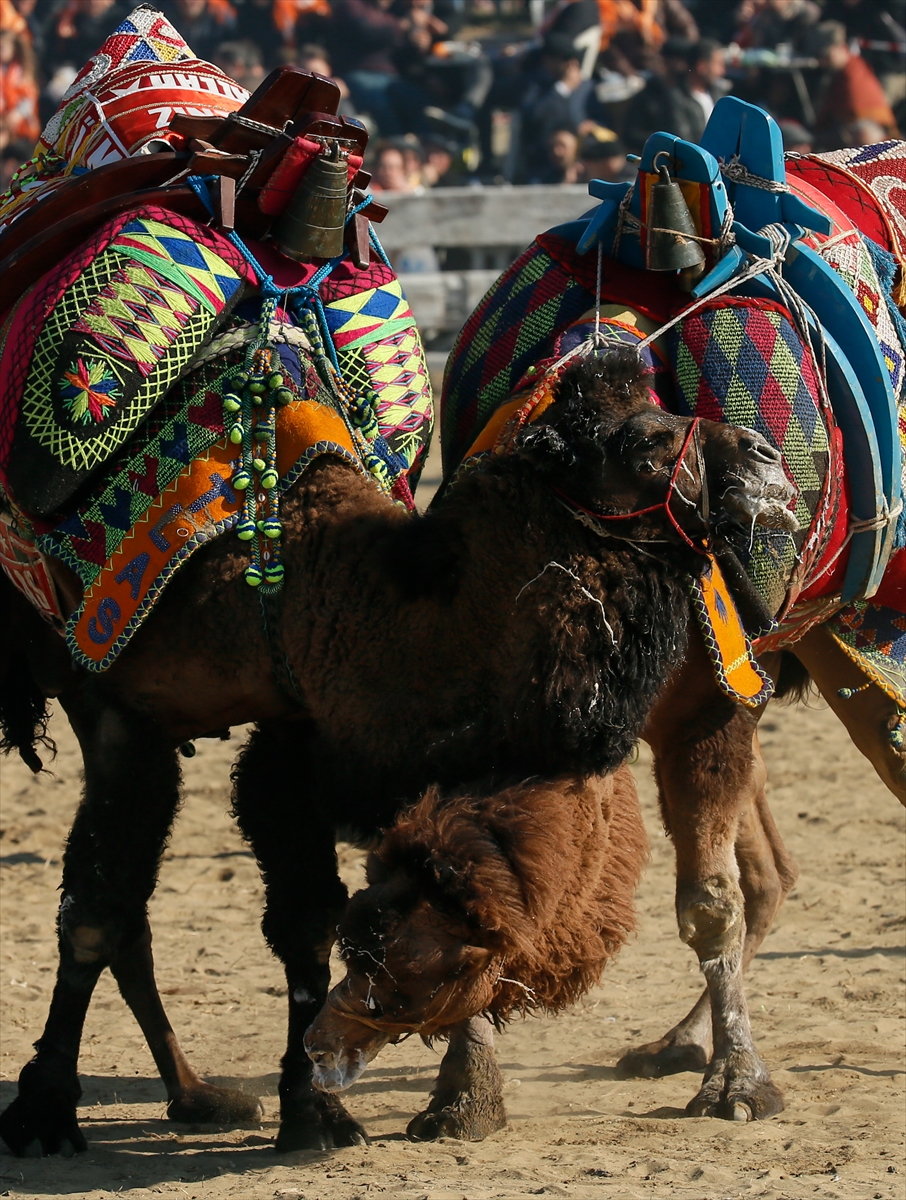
(507, 333)
(744, 363)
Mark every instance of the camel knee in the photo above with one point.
(710, 914)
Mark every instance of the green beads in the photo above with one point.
(250, 416)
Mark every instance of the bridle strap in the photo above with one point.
(385, 1027)
(691, 439)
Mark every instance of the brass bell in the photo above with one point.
(311, 225)
(670, 245)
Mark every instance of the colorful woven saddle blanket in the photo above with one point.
(742, 359)
(128, 450)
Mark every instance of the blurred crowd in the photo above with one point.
(518, 91)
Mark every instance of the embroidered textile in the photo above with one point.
(874, 637)
(726, 641)
(883, 168)
(125, 96)
(507, 333)
(744, 363)
(88, 352)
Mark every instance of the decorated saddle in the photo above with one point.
(774, 306)
(188, 325)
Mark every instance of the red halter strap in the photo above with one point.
(691, 437)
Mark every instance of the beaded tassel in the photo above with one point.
(250, 415)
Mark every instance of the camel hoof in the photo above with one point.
(209, 1105)
(466, 1122)
(740, 1100)
(661, 1058)
(323, 1124)
(42, 1119)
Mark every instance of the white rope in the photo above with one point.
(737, 173)
(243, 334)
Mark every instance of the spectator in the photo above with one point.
(12, 156)
(558, 98)
(256, 21)
(864, 132)
(603, 156)
(443, 165)
(295, 21)
(562, 164)
(204, 24)
(365, 41)
(681, 100)
(769, 23)
(881, 21)
(852, 91)
(242, 61)
(637, 29)
(390, 174)
(83, 26)
(796, 138)
(18, 89)
(312, 57)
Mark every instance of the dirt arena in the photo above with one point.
(827, 998)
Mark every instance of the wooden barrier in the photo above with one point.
(492, 225)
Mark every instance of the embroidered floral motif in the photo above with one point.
(90, 389)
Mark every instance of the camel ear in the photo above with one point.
(546, 449)
(469, 961)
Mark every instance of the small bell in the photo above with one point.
(671, 229)
(312, 224)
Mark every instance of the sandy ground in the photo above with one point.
(827, 997)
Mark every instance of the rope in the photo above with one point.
(737, 173)
(241, 335)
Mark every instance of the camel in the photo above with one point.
(487, 902)
(498, 634)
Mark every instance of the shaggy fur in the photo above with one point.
(542, 875)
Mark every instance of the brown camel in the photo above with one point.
(497, 634)
(480, 903)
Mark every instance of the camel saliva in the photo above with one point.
(496, 634)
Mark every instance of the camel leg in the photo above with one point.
(190, 1099)
(292, 835)
(766, 875)
(109, 872)
(467, 1098)
(869, 715)
(703, 789)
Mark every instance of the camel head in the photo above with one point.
(647, 474)
(412, 963)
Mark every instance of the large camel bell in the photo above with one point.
(311, 226)
(671, 244)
